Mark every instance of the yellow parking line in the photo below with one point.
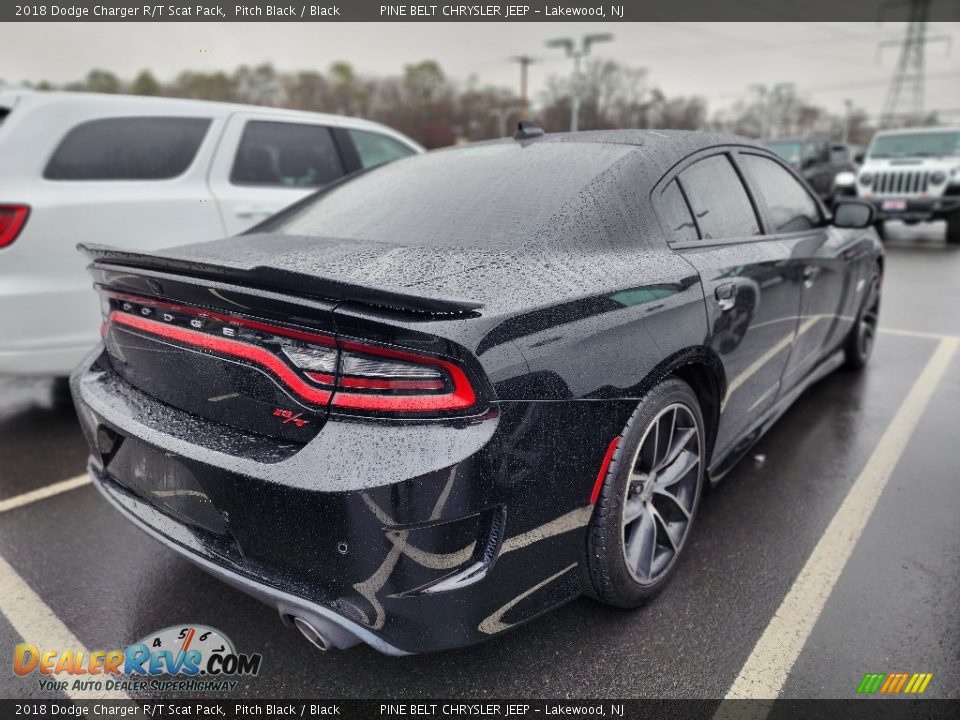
(44, 492)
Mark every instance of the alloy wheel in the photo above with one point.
(661, 493)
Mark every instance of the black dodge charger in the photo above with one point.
(439, 398)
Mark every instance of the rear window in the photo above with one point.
(376, 149)
(719, 200)
(676, 216)
(281, 154)
(128, 148)
(497, 194)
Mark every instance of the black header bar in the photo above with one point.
(472, 11)
(489, 709)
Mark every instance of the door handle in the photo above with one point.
(810, 273)
(252, 211)
(726, 295)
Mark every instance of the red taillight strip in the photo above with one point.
(252, 353)
(387, 384)
(460, 398)
(280, 330)
(604, 467)
(10, 229)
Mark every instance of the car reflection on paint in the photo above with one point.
(437, 399)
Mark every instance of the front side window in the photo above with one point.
(791, 207)
(675, 215)
(718, 199)
(128, 148)
(279, 154)
(375, 149)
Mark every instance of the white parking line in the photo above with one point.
(39, 625)
(766, 670)
(916, 333)
(43, 493)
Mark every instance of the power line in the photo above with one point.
(909, 75)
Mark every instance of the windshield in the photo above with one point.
(904, 145)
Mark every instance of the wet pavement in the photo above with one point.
(895, 608)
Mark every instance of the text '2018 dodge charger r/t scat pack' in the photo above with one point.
(439, 398)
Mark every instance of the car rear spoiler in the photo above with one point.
(270, 278)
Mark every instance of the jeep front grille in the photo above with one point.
(901, 182)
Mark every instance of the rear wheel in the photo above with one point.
(859, 345)
(953, 229)
(648, 502)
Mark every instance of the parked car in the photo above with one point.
(440, 398)
(141, 173)
(911, 175)
(818, 160)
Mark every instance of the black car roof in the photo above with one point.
(667, 146)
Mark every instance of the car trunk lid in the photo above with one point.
(258, 349)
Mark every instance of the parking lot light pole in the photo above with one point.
(569, 45)
(847, 111)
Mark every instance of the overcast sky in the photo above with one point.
(827, 61)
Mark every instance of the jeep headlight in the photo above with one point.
(938, 178)
(845, 179)
(866, 178)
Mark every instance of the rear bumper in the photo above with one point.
(45, 329)
(57, 361)
(342, 632)
(918, 209)
(407, 538)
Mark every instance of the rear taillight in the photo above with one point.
(12, 220)
(378, 379)
(346, 374)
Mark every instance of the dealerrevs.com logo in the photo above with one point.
(181, 658)
(894, 683)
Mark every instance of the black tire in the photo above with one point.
(60, 392)
(860, 341)
(881, 227)
(953, 229)
(608, 537)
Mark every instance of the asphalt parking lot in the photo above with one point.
(74, 569)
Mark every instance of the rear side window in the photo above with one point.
(128, 148)
(675, 215)
(290, 155)
(3, 114)
(375, 149)
(791, 207)
(718, 199)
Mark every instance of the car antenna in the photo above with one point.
(527, 129)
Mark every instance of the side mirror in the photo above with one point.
(858, 158)
(853, 214)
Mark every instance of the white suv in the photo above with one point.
(142, 173)
(911, 175)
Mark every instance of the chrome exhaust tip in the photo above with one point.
(313, 636)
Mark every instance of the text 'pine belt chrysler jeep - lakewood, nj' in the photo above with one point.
(911, 175)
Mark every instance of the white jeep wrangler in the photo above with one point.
(911, 175)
